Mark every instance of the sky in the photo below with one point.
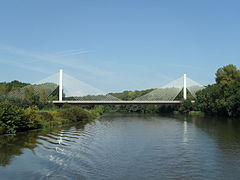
(118, 45)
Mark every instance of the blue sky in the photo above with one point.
(116, 45)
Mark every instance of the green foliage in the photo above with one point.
(130, 95)
(97, 111)
(31, 118)
(222, 98)
(209, 99)
(16, 85)
(25, 95)
(19, 108)
(12, 118)
(12, 86)
(179, 97)
(54, 95)
(75, 114)
(186, 107)
(45, 116)
(227, 75)
(15, 100)
(3, 88)
(29, 94)
(49, 118)
(43, 96)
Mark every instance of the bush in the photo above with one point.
(46, 116)
(12, 118)
(186, 106)
(97, 111)
(75, 114)
(31, 117)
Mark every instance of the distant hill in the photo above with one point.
(6, 87)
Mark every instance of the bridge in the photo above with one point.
(62, 88)
(115, 102)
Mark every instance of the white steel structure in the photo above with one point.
(78, 92)
(184, 86)
(60, 85)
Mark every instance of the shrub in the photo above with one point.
(46, 116)
(186, 106)
(97, 111)
(12, 118)
(75, 114)
(31, 117)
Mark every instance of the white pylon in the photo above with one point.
(60, 84)
(184, 86)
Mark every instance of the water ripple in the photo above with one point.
(127, 147)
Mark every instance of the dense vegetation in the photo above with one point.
(22, 108)
(10, 87)
(14, 118)
(222, 97)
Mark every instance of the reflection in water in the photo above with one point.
(14, 145)
(126, 146)
(11, 145)
(185, 132)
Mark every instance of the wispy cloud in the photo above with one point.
(25, 66)
(73, 52)
(60, 59)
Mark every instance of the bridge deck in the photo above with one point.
(116, 102)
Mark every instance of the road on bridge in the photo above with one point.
(115, 102)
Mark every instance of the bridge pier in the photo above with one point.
(184, 86)
(60, 85)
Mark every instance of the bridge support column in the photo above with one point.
(60, 84)
(184, 86)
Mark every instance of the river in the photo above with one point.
(126, 146)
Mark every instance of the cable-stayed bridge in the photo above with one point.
(62, 88)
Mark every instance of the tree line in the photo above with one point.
(222, 97)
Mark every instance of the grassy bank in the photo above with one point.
(15, 119)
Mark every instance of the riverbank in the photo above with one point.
(15, 119)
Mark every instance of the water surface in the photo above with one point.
(126, 146)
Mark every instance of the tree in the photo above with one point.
(223, 97)
(42, 96)
(210, 100)
(227, 75)
(3, 88)
(29, 94)
(186, 106)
